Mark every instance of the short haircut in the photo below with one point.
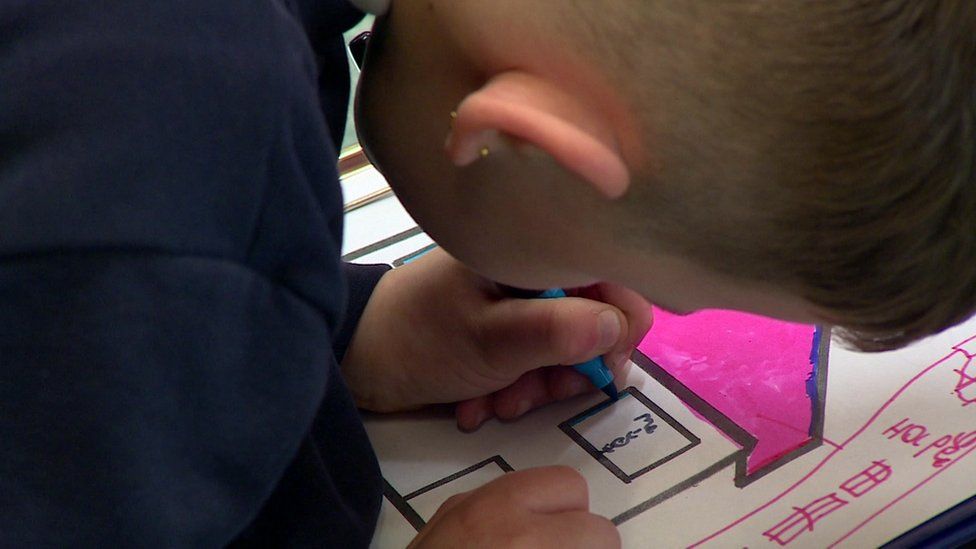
(826, 148)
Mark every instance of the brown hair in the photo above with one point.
(823, 147)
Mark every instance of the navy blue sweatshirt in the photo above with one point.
(171, 298)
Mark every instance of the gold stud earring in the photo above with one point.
(484, 152)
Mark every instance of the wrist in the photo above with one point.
(369, 365)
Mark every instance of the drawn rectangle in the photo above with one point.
(420, 505)
(630, 436)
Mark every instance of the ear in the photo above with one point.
(534, 113)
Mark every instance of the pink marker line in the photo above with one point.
(828, 457)
(901, 497)
(788, 426)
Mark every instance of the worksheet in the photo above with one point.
(730, 431)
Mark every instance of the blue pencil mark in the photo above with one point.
(418, 254)
(414, 256)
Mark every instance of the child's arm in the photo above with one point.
(436, 332)
(169, 281)
(361, 280)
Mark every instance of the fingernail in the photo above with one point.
(609, 325)
(480, 418)
(473, 424)
(522, 407)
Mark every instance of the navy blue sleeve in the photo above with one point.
(170, 289)
(362, 279)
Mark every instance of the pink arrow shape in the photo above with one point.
(754, 370)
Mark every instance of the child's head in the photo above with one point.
(803, 159)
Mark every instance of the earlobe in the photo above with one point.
(518, 110)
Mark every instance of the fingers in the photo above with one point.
(553, 489)
(541, 507)
(524, 334)
(473, 412)
(577, 529)
(518, 338)
(565, 382)
(561, 496)
(533, 390)
(530, 391)
(454, 501)
(635, 308)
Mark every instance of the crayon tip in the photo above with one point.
(610, 389)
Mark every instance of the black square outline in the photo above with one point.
(402, 503)
(568, 427)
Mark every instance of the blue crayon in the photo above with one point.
(595, 370)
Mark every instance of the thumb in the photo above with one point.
(524, 334)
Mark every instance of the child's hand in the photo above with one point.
(436, 332)
(544, 507)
